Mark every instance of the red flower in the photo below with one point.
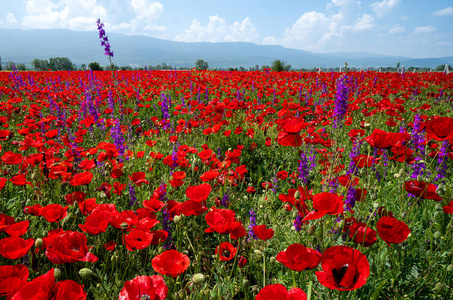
(449, 208)
(75, 197)
(268, 142)
(362, 234)
(68, 289)
(141, 287)
(34, 210)
(81, 178)
(440, 128)
(282, 175)
(19, 180)
(17, 229)
(199, 193)
(226, 251)
(109, 246)
(325, 203)
(15, 247)
(223, 221)
(137, 240)
(251, 190)
(69, 247)
(382, 139)
(119, 219)
(3, 181)
(54, 212)
(11, 158)
(39, 288)
(12, 278)
(5, 222)
(279, 292)
(262, 232)
(96, 223)
(344, 268)
(363, 160)
(298, 258)
(422, 189)
(138, 178)
(392, 231)
(290, 136)
(242, 261)
(171, 263)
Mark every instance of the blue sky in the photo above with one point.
(412, 28)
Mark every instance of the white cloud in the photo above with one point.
(384, 7)
(270, 40)
(397, 28)
(146, 13)
(334, 30)
(69, 14)
(364, 23)
(218, 31)
(11, 19)
(424, 29)
(444, 12)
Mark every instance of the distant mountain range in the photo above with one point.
(83, 47)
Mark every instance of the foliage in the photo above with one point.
(201, 65)
(280, 65)
(95, 66)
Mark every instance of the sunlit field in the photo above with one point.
(226, 185)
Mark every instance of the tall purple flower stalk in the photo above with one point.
(303, 168)
(225, 199)
(441, 161)
(252, 223)
(118, 139)
(104, 40)
(132, 195)
(298, 223)
(341, 101)
(417, 142)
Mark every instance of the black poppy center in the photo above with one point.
(145, 297)
(226, 253)
(339, 274)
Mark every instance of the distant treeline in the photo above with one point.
(64, 63)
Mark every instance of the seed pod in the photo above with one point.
(38, 243)
(56, 273)
(85, 273)
(198, 278)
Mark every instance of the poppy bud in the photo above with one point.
(56, 273)
(258, 252)
(85, 273)
(245, 282)
(272, 260)
(177, 219)
(437, 235)
(297, 195)
(312, 230)
(341, 225)
(38, 243)
(439, 288)
(198, 278)
(185, 252)
(419, 178)
(450, 268)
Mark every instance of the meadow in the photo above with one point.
(226, 185)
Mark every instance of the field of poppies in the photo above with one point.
(226, 185)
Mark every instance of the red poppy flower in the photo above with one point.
(5, 222)
(15, 247)
(54, 212)
(34, 210)
(189, 208)
(39, 288)
(109, 246)
(116, 173)
(242, 261)
(17, 229)
(297, 257)
(363, 160)
(199, 193)
(11, 158)
(81, 178)
(87, 164)
(138, 178)
(223, 221)
(440, 128)
(226, 251)
(137, 240)
(118, 188)
(19, 180)
(153, 204)
(3, 181)
(382, 139)
(118, 219)
(392, 231)
(12, 278)
(282, 175)
(325, 203)
(75, 197)
(262, 232)
(69, 247)
(279, 291)
(171, 263)
(68, 289)
(96, 223)
(423, 190)
(362, 234)
(449, 208)
(144, 287)
(251, 190)
(344, 269)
